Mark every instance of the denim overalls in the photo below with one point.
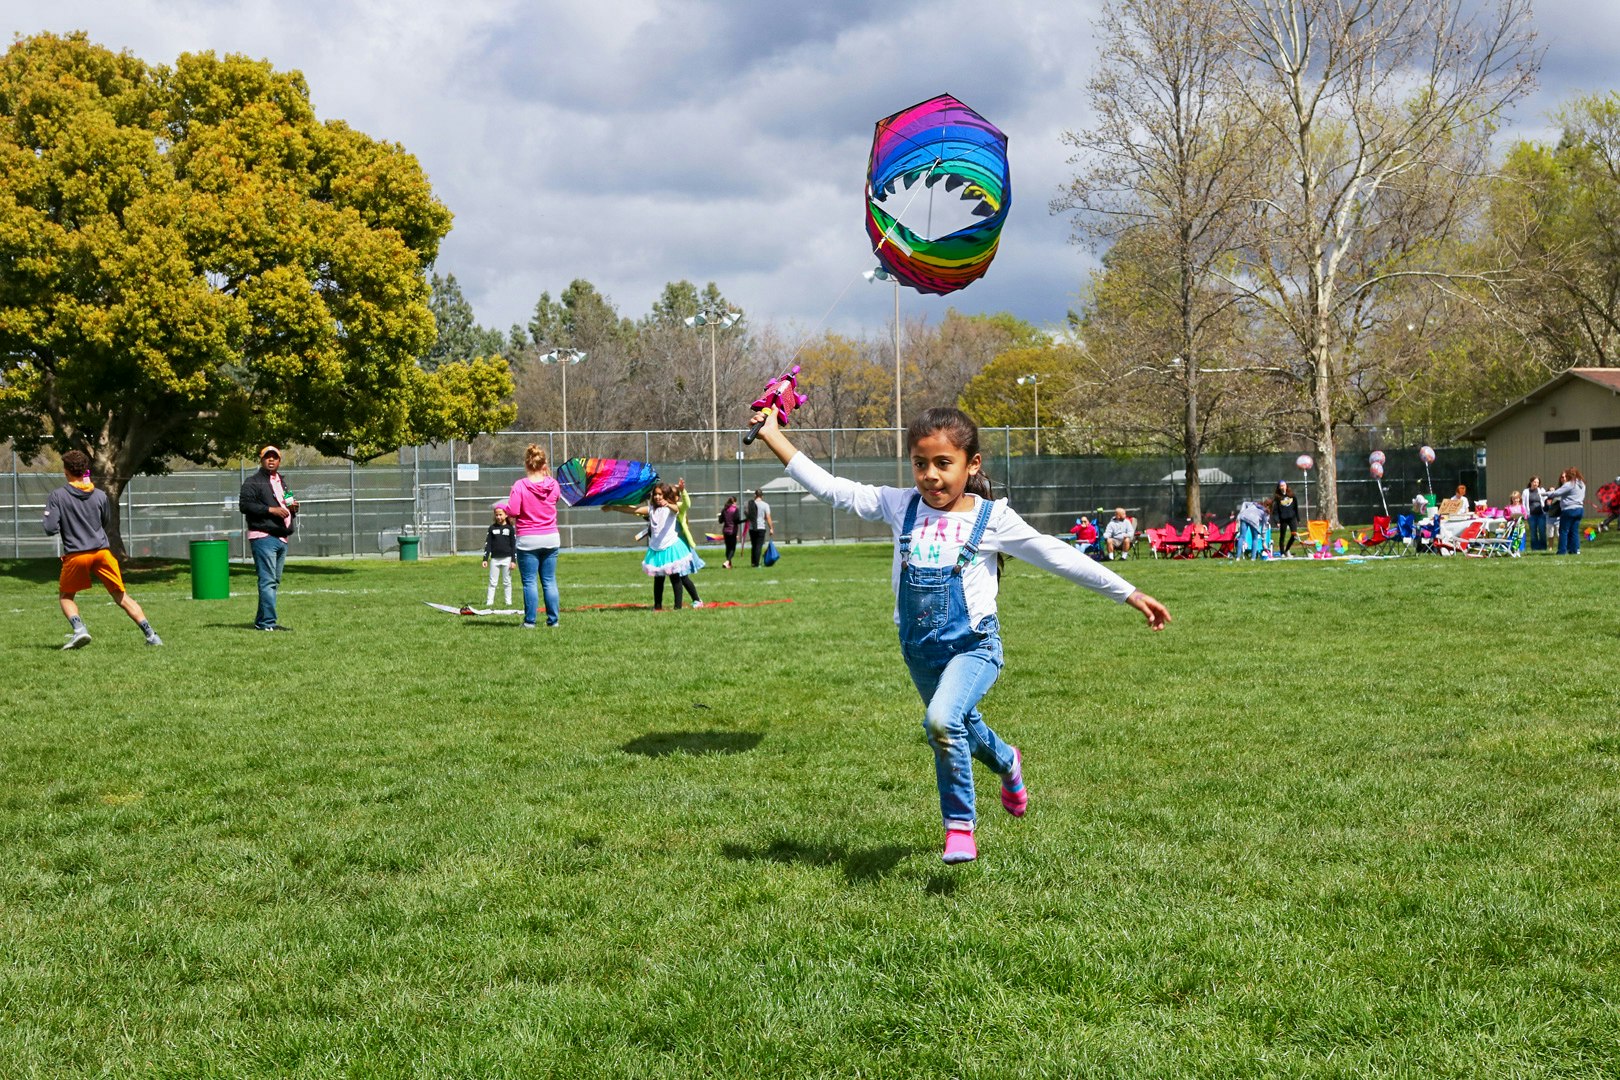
(953, 666)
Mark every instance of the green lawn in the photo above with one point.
(1340, 820)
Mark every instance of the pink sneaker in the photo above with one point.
(1013, 796)
(959, 847)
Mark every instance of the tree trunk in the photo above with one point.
(1327, 472)
(109, 477)
(1189, 446)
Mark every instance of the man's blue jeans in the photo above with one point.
(954, 727)
(538, 568)
(269, 557)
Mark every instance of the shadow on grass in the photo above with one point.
(656, 744)
(868, 864)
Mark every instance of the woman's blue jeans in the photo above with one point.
(538, 568)
(957, 732)
(1569, 531)
(1538, 531)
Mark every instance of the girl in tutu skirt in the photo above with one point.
(668, 554)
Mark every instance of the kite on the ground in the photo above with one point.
(465, 609)
(604, 481)
(941, 236)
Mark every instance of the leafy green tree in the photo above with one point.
(1558, 208)
(191, 263)
(994, 397)
(460, 338)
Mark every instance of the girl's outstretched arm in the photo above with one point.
(773, 435)
(1157, 614)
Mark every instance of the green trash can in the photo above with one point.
(210, 569)
(407, 548)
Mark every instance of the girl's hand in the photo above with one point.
(768, 416)
(1158, 616)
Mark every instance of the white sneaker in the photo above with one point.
(697, 603)
(77, 640)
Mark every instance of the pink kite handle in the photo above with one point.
(781, 394)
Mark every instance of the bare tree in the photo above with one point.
(1171, 170)
(1379, 113)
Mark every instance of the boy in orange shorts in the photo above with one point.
(78, 512)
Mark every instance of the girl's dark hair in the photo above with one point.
(963, 433)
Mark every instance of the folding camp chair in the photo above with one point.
(1406, 532)
(1381, 533)
(1503, 542)
(1222, 539)
(1462, 541)
(1317, 535)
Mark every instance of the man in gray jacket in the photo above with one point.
(77, 511)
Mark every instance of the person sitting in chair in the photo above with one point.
(1118, 534)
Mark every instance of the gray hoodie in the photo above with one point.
(80, 516)
(1571, 494)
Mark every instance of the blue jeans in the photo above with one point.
(952, 722)
(269, 557)
(540, 564)
(1538, 531)
(1569, 530)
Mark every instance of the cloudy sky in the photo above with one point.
(636, 142)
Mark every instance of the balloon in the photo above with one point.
(1376, 457)
(1427, 454)
(1304, 461)
(1377, 469)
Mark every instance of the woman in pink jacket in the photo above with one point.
(532, 506)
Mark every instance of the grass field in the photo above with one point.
(1340, 820)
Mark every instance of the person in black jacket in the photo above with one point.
(500, 545)
(1286, 510)
(269, 512)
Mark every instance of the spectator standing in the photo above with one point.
(1571, 496)
(532, 506)
(1286, 510)
(730, 524)
(760, 526)
(1535, 513)
(77, 511)
(270, 513)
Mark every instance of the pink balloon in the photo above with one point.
(1376, 457)
(1377, 469)
(1427, 454)
(1304, 461)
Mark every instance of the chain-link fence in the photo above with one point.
(443, 494)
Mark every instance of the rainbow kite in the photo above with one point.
(937, 194)
(604, 481)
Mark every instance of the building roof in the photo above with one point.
(1607, 378)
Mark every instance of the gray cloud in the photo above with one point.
(644, 141)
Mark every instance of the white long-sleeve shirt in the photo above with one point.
(938, 537)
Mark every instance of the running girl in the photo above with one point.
(947, 530)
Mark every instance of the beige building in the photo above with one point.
(1572, 420)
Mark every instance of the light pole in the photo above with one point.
(565, 358)
(877, 273)
(715, 320)
(1035, 382)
